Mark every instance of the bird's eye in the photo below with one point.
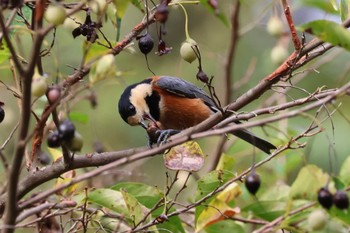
(131, 108)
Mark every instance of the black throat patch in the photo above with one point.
(153, 105)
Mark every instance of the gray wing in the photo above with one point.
(183, 88)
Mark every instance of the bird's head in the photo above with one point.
(133, 105)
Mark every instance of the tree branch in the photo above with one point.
(118, 158)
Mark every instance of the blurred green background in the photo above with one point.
(213, 37)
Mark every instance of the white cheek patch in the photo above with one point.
(133, 120)
(137, 98)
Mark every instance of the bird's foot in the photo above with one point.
(163, 135)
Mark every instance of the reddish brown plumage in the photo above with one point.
(175, 104)
(177, 112)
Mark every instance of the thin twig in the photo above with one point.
(5, 34)
(122, 157)
(268, 227)
(229, 64)
(229, 61)
(288, 14)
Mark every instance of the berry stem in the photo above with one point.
(183, 2)
(186, 21)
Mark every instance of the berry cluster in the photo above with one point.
(65, 135)
(326, 199)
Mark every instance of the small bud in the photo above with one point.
(279, 54)
(39, 85)
(55, 14)
(186, 50)
(317, 220)
(275, 26)
(203, 77)
(54, 94)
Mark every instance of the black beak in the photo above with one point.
(143, 124)
(147, 116)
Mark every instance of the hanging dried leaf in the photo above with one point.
(186, 157)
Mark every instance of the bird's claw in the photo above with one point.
(163, 135)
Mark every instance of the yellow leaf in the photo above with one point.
(56, 153)
(229, 193)
(121, 6)
(216, 211)
(66, 178)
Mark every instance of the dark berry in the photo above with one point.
(146, 43)
(53, 140)
(66, 130)
(341, 200)
(325, 198)
(252, 182)
(2, 114)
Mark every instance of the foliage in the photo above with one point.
(64, 152)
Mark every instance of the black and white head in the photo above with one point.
(134, 103)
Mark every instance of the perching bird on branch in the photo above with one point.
(173, 104)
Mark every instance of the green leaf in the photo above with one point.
(297, 218)
(309, 180)
(209, 183)
(148, 196)
(145, 194)
(137, 212)
(267, 210)
(138, 5)
(79, 117)
(94, 50)
(109, 224)
(216, 211)
(121, 6)
(338, 183)
(343, 215)
(344, 9)
(344, 173)
(26, 12)
(226, 162)
(334, 4)
(4, 53)
(328, 31)
(279, 192)
(324, 5)
(110, 199)
(218, 13)
(227, 226)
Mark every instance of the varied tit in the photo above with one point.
(173, 104)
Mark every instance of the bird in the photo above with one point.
(173, 104)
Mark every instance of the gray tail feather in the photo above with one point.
(254, 140)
